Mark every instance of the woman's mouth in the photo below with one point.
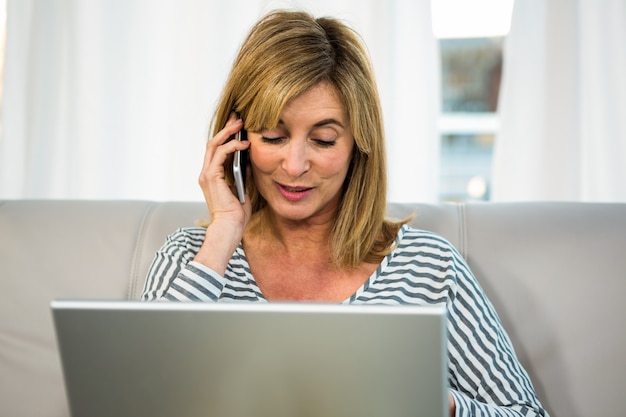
(293, 193)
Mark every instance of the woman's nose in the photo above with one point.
(296, 159)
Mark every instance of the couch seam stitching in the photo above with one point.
(138, 249)
(463, 231)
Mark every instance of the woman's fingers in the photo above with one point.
(214, 161)
(233, 126)
(220, 198)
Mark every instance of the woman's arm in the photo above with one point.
(173, 274)
(485, 377)
(228, 216)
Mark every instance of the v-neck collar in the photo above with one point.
(350, 300)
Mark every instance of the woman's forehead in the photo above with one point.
(322, 97)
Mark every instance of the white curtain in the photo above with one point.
(112, 98)
(563, 103)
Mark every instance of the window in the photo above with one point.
(3, 16)
(471, 71)
(471, 34)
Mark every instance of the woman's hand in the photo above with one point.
(228, 216)
(221, 198)
(451, 405)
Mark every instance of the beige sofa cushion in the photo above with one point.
(554, 271)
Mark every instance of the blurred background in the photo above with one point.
(491, 100)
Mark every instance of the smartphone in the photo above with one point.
(240, 161)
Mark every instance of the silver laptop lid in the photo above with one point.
(252, 360)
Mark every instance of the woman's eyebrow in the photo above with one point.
(320, 123)
(328, 122)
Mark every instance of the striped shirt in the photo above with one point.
(484, 374)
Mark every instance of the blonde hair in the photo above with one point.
(285, 54)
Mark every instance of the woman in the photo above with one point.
(313, 225)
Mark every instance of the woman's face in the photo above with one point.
(299, 166)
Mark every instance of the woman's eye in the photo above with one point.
(324, 143)
(271, 140)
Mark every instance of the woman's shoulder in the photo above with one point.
(191, 237)
(409, 236)
(190, 232)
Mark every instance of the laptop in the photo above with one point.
(184, 359)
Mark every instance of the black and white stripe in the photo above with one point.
(485, 376)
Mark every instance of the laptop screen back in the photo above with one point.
(252, 360)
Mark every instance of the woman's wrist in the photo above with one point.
(220, 241)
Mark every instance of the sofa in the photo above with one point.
(556, 273)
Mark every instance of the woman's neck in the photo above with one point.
(290, 237)
(292, 261)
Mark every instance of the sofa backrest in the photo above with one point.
(554, 271)
(67, 249)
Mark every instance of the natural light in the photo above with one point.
(471, 18)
